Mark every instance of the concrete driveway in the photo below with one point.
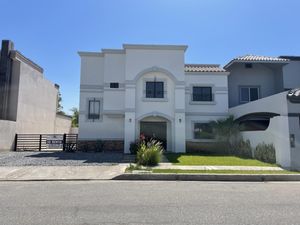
(61, 165)
(59, 158)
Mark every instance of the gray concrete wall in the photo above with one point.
(7, 134)
(291, 75)
(62, 124)
(37, 100)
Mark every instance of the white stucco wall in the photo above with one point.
(124, 108)
(280, 128)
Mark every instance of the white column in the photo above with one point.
(179, 125)
(130, 120)
(129, 124)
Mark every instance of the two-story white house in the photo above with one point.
(150, 90)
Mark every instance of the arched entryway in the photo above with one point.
(158, 128)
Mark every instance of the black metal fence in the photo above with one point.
(40, 142)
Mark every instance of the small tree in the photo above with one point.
(75, 117)
(227, 130)
(59, 104)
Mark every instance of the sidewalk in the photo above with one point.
(29, 173)
(171, 166)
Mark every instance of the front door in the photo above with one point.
(155, 130)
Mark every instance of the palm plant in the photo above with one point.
(227, 130)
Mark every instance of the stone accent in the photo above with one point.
(101, 145)
(213, 147)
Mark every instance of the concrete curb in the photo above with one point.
(210, 177)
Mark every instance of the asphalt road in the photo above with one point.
(149, 202)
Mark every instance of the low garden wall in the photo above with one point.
(101, 145)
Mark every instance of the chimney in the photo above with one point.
(5, 76)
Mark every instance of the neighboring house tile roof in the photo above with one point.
(203, 68)
(256, 58)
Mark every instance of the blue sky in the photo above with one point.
(51, 32)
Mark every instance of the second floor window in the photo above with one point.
(248, 94)
(94, 109)
(203, 94)
(114, 85)
(154, 89)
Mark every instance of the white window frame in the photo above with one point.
(249, 87)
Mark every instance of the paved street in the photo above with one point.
(124, 202)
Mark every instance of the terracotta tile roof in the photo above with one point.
(203, 68)
(256, 58)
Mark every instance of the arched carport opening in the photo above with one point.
(255, 121)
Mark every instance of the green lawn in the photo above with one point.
(212, 160)
(224, 171)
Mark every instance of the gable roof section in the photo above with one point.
(257, 59)
(200, 68)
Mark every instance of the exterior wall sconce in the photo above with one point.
(180, 120)
(292, 140)
(130, 120)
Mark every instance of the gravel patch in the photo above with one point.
(59, 159)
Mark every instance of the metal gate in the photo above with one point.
(42, 142)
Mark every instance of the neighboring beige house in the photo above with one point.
(28, 102)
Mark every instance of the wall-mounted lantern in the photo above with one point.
(180, 120)
(292, 140)
(130, 120)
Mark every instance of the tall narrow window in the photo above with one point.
(94, 109)
(154, 89)
(248, 94)
(202, 94)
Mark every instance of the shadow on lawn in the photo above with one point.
(85, 157)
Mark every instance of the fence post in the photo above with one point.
(64, 142)
(40, 146)
(16, 142)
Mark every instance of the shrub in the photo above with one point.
(265, 152)
(134, 147)
(149, 153)
(243, 149)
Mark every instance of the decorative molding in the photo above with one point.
(130, 110)
(206, 114)
(156, 69)
(155, 47)
(179, 110)
(155, 114)
(112, 51)
(207, 73)
(91, 54)
(91, 86)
